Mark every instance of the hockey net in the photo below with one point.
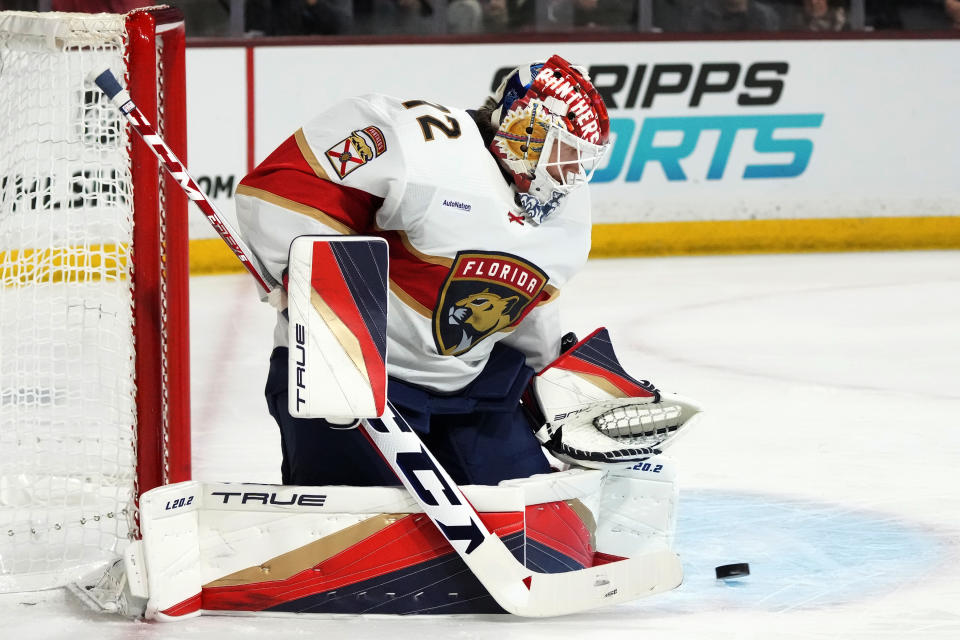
(94, 379)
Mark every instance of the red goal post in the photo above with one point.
(94, 328)
(156, 71)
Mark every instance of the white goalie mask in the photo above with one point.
(552, 133)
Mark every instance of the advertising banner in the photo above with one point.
(702, 131)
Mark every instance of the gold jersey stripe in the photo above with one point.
(408, 300)
(552, 294)
(308, 154)
(419, 255)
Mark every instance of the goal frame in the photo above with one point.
(148, 48)
(159, 264)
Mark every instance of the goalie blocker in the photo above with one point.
(337, 308)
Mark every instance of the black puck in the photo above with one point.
(737, 570)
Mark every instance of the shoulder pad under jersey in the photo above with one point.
(369, 142)
(355, 144)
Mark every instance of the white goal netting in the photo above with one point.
(67, 408)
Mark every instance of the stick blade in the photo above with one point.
(527, 593)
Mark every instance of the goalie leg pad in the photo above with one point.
(263, 548)
(169, 522)
(638, 508)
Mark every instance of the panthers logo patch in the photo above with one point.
(356, 150)
(483, 293)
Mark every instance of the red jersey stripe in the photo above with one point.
(288, 174)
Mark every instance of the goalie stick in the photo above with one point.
(516, 588)
(121, 99)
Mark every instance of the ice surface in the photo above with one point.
(827, 460)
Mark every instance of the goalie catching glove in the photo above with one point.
(595, 414)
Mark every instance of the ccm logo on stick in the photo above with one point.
(301, 500)
(301, 337)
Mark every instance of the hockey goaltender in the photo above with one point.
(533, 478)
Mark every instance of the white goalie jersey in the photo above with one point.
(466, 268)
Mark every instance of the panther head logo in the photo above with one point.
(484, 293)
(484, 312)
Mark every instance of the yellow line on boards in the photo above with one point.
(632, 239)
(635, 239)
(774, 236)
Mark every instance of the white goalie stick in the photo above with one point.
(516, 588)
(121, 98)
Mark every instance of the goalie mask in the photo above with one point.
(552, 132)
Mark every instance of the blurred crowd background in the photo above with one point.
(260, 18)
